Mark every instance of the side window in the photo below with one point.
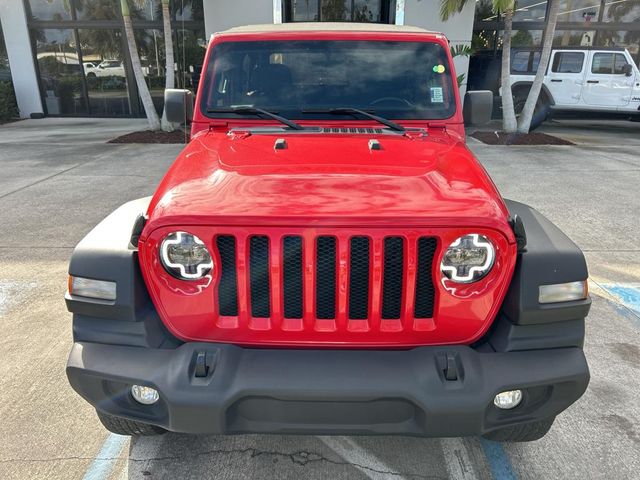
(619, 64)
(520, 62)
(602, 63)
(525, 62)
(567, 62)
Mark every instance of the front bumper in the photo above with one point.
(328, 391)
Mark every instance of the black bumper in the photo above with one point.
(328, 391)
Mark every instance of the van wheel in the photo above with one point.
(123, 426)
(540, 112)
(527, 432)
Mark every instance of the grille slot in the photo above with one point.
(359, 278)
(393, 277)
(259, 276)
(326, 278)
(425, 290)
(292, 276)
(228, 288)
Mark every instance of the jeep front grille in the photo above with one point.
(323, 282)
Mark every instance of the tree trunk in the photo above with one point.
(509, 123)
(524, 123)
(168, 48)
(143, 89)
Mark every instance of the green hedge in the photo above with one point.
(8, 105)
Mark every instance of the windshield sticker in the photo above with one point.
(439, 69)
(436, 95)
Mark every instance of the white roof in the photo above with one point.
(325, 27)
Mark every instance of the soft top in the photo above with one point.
(324, 27)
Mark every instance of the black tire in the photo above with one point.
(540, 112)
(123, 426)
(527, 432)
(91, 75)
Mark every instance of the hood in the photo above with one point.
(327, 179)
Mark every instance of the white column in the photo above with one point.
(277, 11)
(16, 36)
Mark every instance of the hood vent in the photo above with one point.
(360, 130)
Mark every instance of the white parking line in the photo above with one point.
(363, 460)
(458, 462)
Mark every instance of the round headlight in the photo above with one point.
(185, 256)
(468, 259)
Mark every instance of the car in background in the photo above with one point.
(108, 68)
(589, 81)
(89, 68)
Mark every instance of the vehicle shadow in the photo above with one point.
(300, 456)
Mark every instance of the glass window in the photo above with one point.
(56, 10)
(619, 64)
(525, 62)
(602, 64)
(484, 11)
(526, 38)
(567, 62)
(190, 47)
(304, 10)
(106, 80)
(5, 72)
(290, 77)
(100, 9)
(60, 71)
(579, 10)
(530, 11)
(621, 11)
(180, 10)
(152, 57)
(335, 10)
(573, 38)
(367, 11)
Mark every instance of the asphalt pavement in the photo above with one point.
(58, 178)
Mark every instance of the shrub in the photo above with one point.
(8, 105)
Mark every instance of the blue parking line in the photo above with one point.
(107, 457)
(627, 294)
(498, 460)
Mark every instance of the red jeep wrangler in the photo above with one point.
(327, 257)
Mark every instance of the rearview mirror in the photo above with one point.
(478, 107)
(178, 105)
(627, 70)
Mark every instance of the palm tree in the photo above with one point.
(143, 89)
(524, 122)
(168, 48)
(449, 8)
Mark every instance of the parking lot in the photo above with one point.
(59, 178)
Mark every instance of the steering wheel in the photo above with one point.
(404, 101)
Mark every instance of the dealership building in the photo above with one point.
(69, 57)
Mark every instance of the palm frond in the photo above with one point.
(449, 8)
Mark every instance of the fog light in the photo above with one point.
(144, 395)
(508, 400)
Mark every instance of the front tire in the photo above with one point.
(540, 112)
(527, 432)
(124, 426)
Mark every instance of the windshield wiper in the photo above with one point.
(356, 111)
(256, 111)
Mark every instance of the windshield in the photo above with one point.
(395, 80)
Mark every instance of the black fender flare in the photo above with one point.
(528, 84)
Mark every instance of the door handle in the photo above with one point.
(555, 80)
(593, 81)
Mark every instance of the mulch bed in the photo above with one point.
(148, 136)
(501, 138)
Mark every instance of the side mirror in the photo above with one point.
(178, 105)
(478, 107)
(627, 70)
